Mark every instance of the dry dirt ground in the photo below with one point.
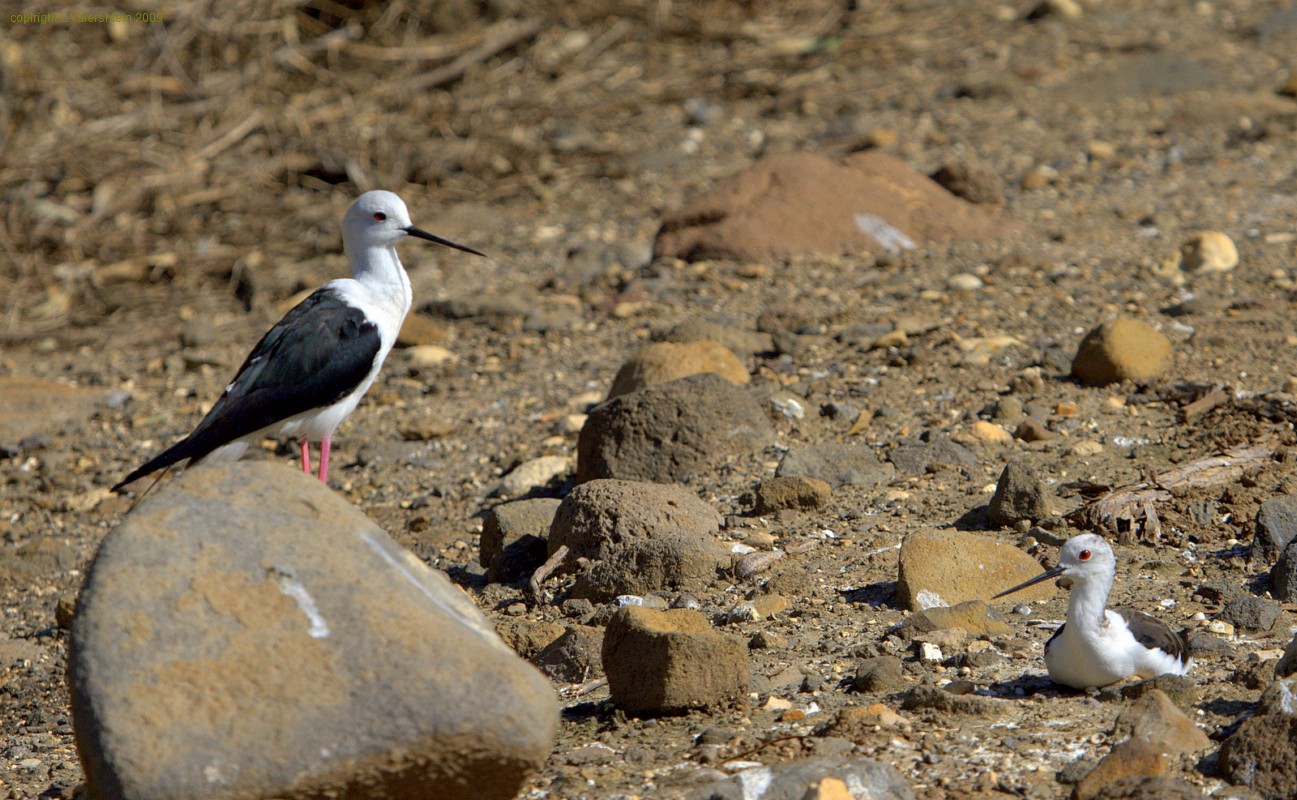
(169, 184)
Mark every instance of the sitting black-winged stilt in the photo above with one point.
(309, 371)
(1097, 645)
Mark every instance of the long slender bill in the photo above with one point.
(1044, 576)
(419, 233)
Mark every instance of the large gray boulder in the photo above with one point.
(246, 633)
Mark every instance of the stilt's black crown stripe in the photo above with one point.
(318, 353)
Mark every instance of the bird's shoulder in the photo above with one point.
(324, 330)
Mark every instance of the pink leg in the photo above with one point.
(306, 457)
(326, 444)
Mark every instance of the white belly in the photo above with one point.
(1107, 654)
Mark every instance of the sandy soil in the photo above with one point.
(169, 185)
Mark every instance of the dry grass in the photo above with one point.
(188, 149)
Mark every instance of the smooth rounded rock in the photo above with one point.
(671, 432)
(246, 633)
(664, 362)
(1209, 251)
(941, 568)
(1122, 349)
(793, 203)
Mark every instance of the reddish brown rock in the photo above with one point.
(948, 567)
(795, 203)
(1129, 759)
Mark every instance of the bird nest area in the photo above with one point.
(167, 143)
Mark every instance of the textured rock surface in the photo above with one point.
(1262, 753)
(670, 432)
(835, 463)
(1133, 758)
(948, 567)
(666, 662)
(738, 340)
(247, 633)
(781, 492)
(573, 657)
(1283, 575)
(1019, 494)
(640, 537)
(917, 457)
(864, 778)
(974, 616)
(1154, 718)
(803, 203)
(1122, 349)
(514, 538)
(664, 362)
(1276, 526)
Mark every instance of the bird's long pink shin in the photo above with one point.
(325, 446)
(306, 457)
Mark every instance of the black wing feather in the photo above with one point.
(312, 358)
(1152, 632)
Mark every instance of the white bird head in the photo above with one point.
(1085, 557)
(379, 219)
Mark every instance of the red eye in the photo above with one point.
(379, 216)
(1085, 555)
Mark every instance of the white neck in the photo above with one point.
(379, 270)
(1086, 606)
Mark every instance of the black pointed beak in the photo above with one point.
(422, 234)
(1044, 576)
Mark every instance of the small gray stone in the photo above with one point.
(879, 675)
(1253, 613)
(1019, 495)
(671, 432)
(1283, 576)
(574, 656)
(513, 538)
(245, 632)
(917, 457)
(1287, 664)
(1276, 526)
(864, 778)
(836, 463)
(739, 340)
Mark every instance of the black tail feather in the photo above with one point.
(172, 455)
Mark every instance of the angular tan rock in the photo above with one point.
(948, 567)
(667, 662)
(668, 361)
(781, 492)
(795, 203)
(246, 633)
(1122, 349)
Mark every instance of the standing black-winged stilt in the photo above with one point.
(309, 371)
(1097, 645)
